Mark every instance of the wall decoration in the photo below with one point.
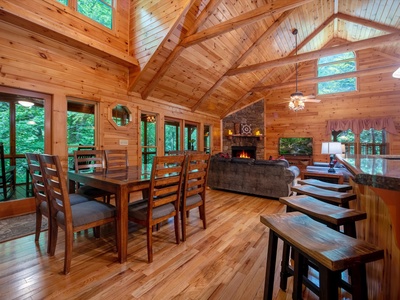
(246, 129)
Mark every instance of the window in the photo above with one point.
(207, 139)
(172, 134)
(148, 141)
(81, 125)
(337, 64)
(100, 11)
(23, 115)
(370, 141)
(190, 137)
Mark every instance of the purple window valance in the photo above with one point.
(358, 125)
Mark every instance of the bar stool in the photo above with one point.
(330, 251)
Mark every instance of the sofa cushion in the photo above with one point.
(279, 162)
(243, 160)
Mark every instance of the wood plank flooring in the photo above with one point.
(225, 261)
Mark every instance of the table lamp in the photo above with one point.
(331, 148)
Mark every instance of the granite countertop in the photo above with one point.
(380, 171)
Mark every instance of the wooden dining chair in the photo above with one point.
(87, 161)
(41, 200)
(7, 176)
(194, 191)
(163, 200)
(70, 218)
(116, 159)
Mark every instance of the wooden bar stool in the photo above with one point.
(325, 213)
(331, 197)
(326, 185)
(330, 251)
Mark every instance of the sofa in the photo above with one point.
(266, 178)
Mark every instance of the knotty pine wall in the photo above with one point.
(73, 25)
(36, 63)
(377, 96)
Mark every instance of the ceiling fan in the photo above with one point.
(297, 99)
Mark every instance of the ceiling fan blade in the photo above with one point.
(312, 100)
(309, 97)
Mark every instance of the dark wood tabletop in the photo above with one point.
(119, 182)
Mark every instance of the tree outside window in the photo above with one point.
(100, 11)
(337, 64)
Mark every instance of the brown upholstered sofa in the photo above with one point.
(267, 178)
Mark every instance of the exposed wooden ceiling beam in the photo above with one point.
(272, 72)
(179, 48)
(242, 20)
(364, 44)
(367, 23)
(359, 73)
(269, 31)
(135, 78)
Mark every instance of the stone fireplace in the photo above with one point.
(234, 137)
(244, 151)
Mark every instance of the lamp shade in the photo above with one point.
(331, 148)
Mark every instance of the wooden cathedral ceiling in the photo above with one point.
(221, 55)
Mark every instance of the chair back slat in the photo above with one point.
(37, 179)
(88, 160)
(116, 159)
(56, 185)
(166, 180)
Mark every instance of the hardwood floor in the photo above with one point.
(225, 261)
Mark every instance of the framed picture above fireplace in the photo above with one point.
(296, 146)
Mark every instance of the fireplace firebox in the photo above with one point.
(244, 151)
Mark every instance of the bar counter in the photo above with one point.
(376, 181)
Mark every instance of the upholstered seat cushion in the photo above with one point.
(193, 199)
(138, 210)
(88, 212)
(76, 199)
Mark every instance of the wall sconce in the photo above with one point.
(229, 132)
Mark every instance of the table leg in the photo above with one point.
(121, 198)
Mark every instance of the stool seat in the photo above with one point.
(331, 251)
(332, 197)
(326, 185)
(323, 212)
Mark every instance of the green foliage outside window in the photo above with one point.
(80, 130)
(337, 64)
(100, 11)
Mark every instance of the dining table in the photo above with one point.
(120, 182)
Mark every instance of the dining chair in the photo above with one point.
(70, 218)
(7, 176)
(87, 161)
(163, 200)
(39, 191)
(116, 159)
(194, 191)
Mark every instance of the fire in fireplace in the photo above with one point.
(244, 151)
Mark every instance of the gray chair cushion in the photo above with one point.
(193, 199)
(88, 212)
(138, 210)
(76, 199)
